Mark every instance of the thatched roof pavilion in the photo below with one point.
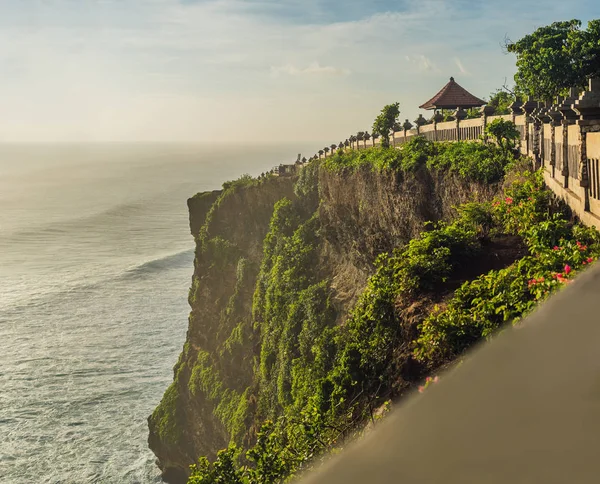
(453, 96)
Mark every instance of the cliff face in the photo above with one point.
(277, 262)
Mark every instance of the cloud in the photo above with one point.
(314, 69)
(183, 69)
(422, 62)
(461, 67)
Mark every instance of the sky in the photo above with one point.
(246, 71)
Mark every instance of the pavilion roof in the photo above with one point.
(452, 96)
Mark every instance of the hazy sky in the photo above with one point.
(246, 70)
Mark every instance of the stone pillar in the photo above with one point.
(516, 109)
(528, 107)
(556, 118)
(536, 127)
(420, 121)
(486, 111)
(406, 126)
(569, 117)
(459, 114)
(544, 119)
(588, 108)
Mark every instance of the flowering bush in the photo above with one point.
(558, 249)
(428, 381)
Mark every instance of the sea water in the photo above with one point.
(96, 260)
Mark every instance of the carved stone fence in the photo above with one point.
(563, 138)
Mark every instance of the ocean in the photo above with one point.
(96, 260)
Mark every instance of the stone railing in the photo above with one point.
(562, 138)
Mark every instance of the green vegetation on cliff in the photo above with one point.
(318, 383)
(279, 373)
(471, 161)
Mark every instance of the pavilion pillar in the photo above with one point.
(437, 117)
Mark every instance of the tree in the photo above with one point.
(359, 137)
(333, 147)
(473, 113)
(556, 57)
(385, 121)
(326, 150)
(501, 101)
(366, 137)
(505, 133)
(320, 153)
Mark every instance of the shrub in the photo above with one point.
(558, 249)
(504, 132)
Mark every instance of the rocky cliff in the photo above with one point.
(278, 261)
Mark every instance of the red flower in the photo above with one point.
(508, 200)
(590, 260)
(567, 269)
(556, 247)
(421, 389)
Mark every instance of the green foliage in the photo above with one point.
(501, 101)
(165, 417)
(243, 181)
(472, 161)
(307, 186)
(559, 250)
(290, 310)
(223, 471)
(378, 157)
(473, 113)
(317, 381)
(556, 57)
(416, 152)
(284, 448)
(479, 162)
(364, 370)
(477, 216)
(384, 123)
(504, 132)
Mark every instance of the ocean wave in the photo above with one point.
(170, 261)
(138, 210)
(79, 287)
